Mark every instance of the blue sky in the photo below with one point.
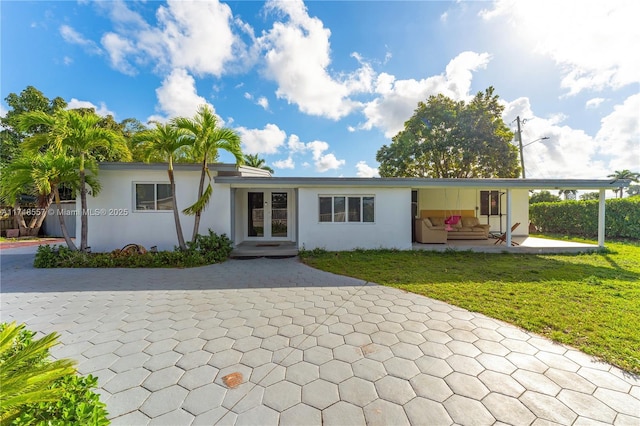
(317, 88)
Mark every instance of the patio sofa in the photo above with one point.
(431, 229)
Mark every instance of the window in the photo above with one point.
(346, 209)
(489, 203)
(153, 196)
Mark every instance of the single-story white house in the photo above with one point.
(250, 205)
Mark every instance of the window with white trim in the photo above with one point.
(346, 208)
(153, 196)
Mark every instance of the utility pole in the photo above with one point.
(524, 176)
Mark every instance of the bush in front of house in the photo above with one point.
(37, 390)
(622, 217)
(206, 250)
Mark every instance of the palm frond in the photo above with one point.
(201, 203)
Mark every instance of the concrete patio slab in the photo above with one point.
(312, 348)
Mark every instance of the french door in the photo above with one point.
(268, 215)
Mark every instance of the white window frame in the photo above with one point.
(346, 205)
(155, 197)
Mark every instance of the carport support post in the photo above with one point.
(601, 209)
(508, 241)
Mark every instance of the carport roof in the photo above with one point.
(418, 183)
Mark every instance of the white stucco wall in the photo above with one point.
(115, 223)
(391, 229)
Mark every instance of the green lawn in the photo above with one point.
(589, 301)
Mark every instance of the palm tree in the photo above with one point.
(624, 174)
(25, 378)
(42, 174)
(568, 193)
(206, 139)
(77, 135)
(252, 160)
(165, 141)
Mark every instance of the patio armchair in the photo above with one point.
(502, 238)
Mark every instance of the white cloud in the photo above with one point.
(263, 102)
(364, 170)
(177, 97)
(118, 48)
(619, 135)
(297, 58)
(323, 162)
(284, 164)
(72, 36)
(592, 40)
(295, 145)
(102, 110)
(594, 102)
(262, 141)
(399, 98)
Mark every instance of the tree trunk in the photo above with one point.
(83, 218)
(176, 213)
(196, 222)
(63, 225)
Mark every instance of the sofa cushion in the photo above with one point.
(470, 222)
(465, 229)
(437, 221)
(427, 222)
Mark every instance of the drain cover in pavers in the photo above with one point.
(233, 380)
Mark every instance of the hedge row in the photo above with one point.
(622, 217)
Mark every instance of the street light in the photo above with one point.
(524, 176)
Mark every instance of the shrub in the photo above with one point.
(39, 391)
(206, 250)
(622, 217)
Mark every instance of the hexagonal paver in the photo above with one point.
(423, 411)
(342, 413)
(126, 381)
(282, 395)
(268, 374)
(245, 397)
(320, 394)
(507, 409)
(203, 398)
(465, 410)
(431, 387)
(401, 368)
(466, 385)
(299, 415)
(395, 390)
(164, 401)
(163, 378)
(318, 355)
(127, 401)
(225, 358)
(381, 412)
(369, 369)
(302, 373)
(347, 353)
(502, 383)
(197, 377)
(357, 391)
(335, 371)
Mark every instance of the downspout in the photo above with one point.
(232, 205)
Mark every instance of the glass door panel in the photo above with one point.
(279, 214)
(256, 214)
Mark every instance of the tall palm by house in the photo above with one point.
(165, 141)
(624, 174)
(206, 139)
(41, 174)
(77, 135)
(253, 160)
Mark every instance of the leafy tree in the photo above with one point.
(543, 197)
(165, 141)
(452, 139)
(252, 160)
(590, 196)
(29, 100)
(78, 136)
(206, 139)
(624, 174)
(633, 190)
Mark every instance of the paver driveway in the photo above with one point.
(313, 348)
